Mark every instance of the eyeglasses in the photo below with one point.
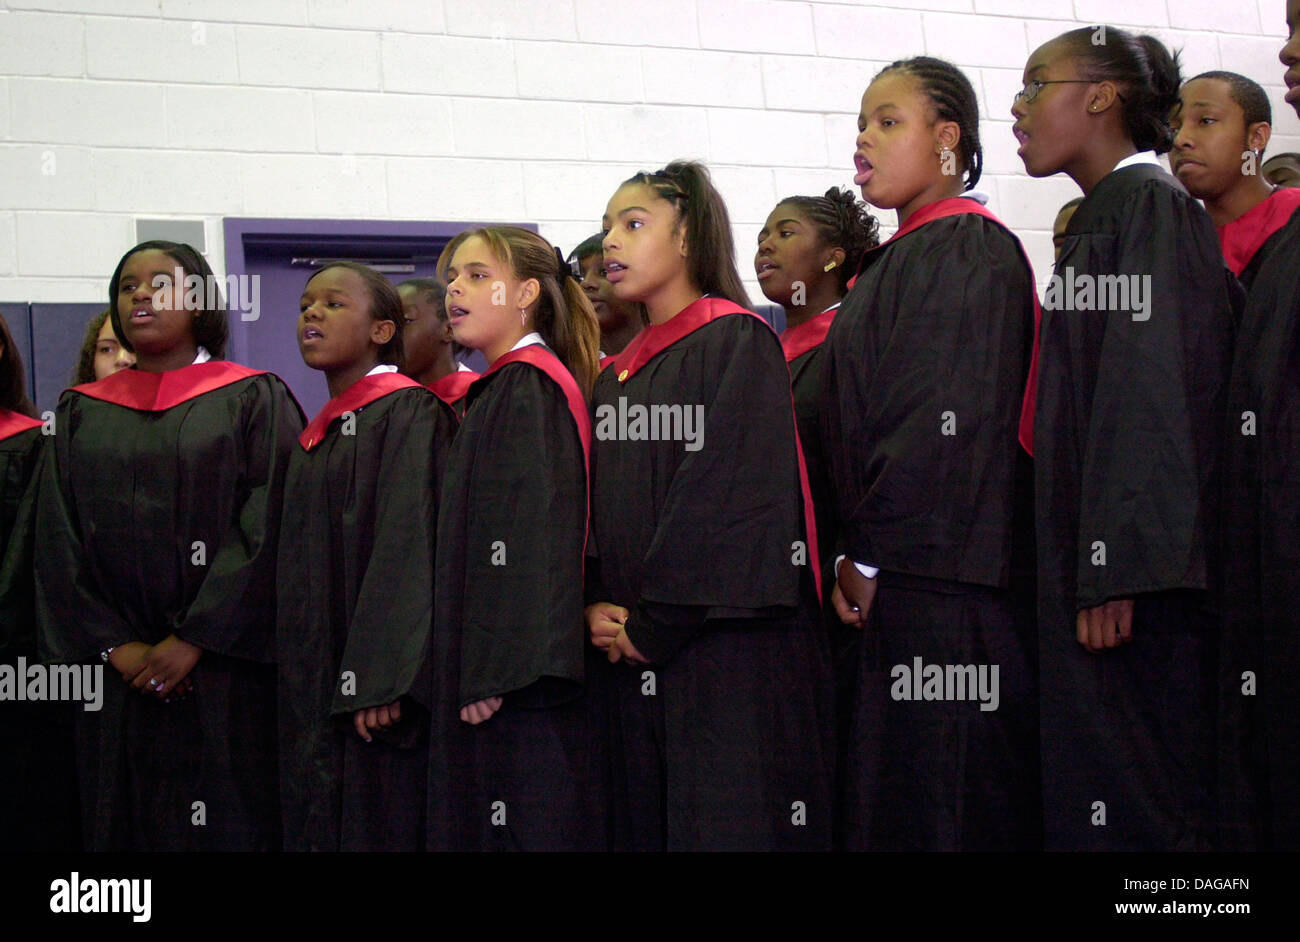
(1031, 89)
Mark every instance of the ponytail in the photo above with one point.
(710, 247)
(1147, 75)
(564, 315)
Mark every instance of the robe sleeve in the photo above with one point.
(389, 633)
(1152, 439)
(925, 446)
(523, 629)
(235, 605)
(74, 620)
(725, 534)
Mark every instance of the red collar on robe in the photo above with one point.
(535, 354)
(798, 340)
(357, 396)
(451, 388)
(656, 338)
(1243, 237)
(955, 206)
(158, 392)
(12, 423)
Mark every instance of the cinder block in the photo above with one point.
(975, 40)
(77, 111)
(71, 245)
(42, 44)
(869, 33)
(766, 138)
(512, 19)
(256, 120)
(448, 65)
(808, 83)
(444, 188)
(756, 26)
(160, 50)
(321, 58)
(647, 135)
(167, 181)
(313, 186)
(46, 176)
(696, 77)
(288, 12)
(372, 123)
(578, 72)
(490, 127)
(416, 16)
(639, 22)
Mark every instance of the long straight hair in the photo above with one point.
(13, 386)
(564, 317)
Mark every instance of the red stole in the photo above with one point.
(13, 423)
(1243, 237)
(357, 396)
(158, 392)
(796, 341)
(656, 338)
(452, 388)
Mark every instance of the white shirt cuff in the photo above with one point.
(869, 571)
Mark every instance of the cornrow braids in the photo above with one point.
(1147, 75)
(842, 221)
(711, 248)
(954, 99)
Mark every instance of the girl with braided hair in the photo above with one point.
(703, 574)
(1128, 450)
(926, 371)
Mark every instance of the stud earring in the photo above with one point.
(829, 265)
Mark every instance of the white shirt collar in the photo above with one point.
(382, 368)
(462, 368)
(527, 339)
(202, 356)
(978, 196)
(1141, 157)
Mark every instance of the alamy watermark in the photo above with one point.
(921, 681)
(660, 422)
(82, 683)
(1087, 292)
(189, 292)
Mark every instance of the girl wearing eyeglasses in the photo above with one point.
(1135, 343)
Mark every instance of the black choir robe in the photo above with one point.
(158, 514)
(1260, 670)
(803, 346)
(1128, 444)
(453, 388)
(925, 372)
(724, 740)
(38, 788)
(508, 621)
(354, 615)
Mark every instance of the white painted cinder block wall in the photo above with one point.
(517, 110)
